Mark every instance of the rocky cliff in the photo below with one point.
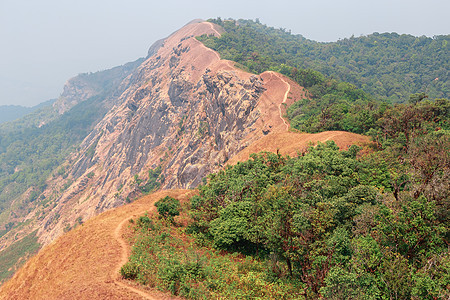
(183, 111)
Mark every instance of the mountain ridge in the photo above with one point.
(227, 97)
(173, 117)
(10, 113)
(192, 102)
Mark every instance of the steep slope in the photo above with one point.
(84, 263)
(183, 110)
(106, 84)
(31, 148)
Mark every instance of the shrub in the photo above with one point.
(168, 208)
(130, 270)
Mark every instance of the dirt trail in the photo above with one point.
(118, 235)
(209, 49)
(285, 96)
(124, 258)
(212, 28)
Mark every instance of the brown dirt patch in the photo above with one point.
(290, 143)
(280, 93)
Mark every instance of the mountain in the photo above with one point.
(13, 112)
(164, 122)
(184, 112)
(32, 149)
(103, 84)
(168, 111)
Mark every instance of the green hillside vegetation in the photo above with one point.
(10, 113)
(29, 155)
(350, 224)
(34, 148)
(30, 152)
(13, 112)
(328, 223)
(43, 115)
(366, 222)
(388, 66)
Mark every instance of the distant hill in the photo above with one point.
(13, 112)
(389, 66)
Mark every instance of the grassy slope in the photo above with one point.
(83, 263)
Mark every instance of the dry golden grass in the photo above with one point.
(290, 143)
(85, 262)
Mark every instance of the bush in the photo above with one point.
(168, 208)
(130, 270)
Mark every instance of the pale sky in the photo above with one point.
(45, 42)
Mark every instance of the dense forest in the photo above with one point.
(388, 66)
(367, 222)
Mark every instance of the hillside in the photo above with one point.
(388, 66)
(32, 149)
(90, 266)
(85, 263)
(185, 117)
(10, 113)
(178, 115)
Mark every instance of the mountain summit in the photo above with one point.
(178, 116)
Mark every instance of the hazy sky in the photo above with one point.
(43, 43)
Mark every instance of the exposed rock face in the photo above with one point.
(183, 109)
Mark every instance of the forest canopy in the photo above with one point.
(388, 66)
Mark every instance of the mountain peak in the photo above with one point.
(184, 112)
